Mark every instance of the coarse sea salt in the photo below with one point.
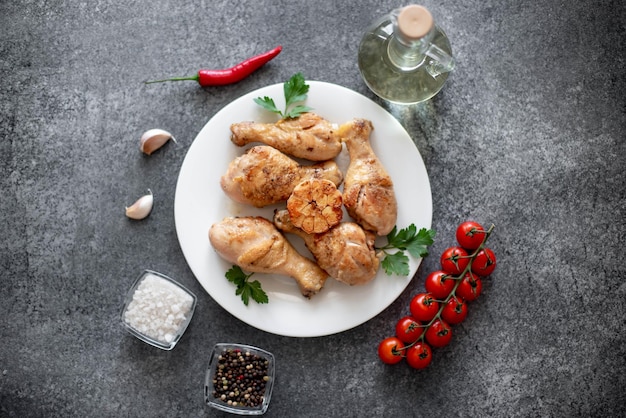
(158, 308)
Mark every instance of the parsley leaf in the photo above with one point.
(267, 103)
(245, 288)
(397, 263)
(418, 245)
(297, 111)
(295, 90)
(409, 239)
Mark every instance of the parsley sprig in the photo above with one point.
(409, 239)
(246, 288)
(295, 90)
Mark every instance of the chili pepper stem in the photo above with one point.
(190, 78)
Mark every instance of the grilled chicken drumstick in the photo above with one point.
(346, 251)
(255, 245)
(307, 136)
(368, 193)
(264, 176)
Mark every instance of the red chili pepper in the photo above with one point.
(229, 75)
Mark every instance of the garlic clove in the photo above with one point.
(142, 207)
(153, 139)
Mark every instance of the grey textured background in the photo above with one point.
(527, 134)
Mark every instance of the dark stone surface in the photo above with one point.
(528, 134)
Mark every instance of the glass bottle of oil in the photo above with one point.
(404, 57)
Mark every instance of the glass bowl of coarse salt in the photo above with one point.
(158, 309)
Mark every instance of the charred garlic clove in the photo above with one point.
(154, 139)
(141, 208)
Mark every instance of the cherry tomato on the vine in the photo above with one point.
(424, 307)
(408, 329)
(454, 260)
(439, 284)
(439, 334)
(470, 287)
(484, 263)
(419, 356)
(455, 311)
(390, 350)
(470, 235)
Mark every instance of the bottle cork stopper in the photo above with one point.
(414, 22)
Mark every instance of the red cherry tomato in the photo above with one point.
(424, 307)
(484, 263)
(470, 287)
(454, 260)
(408, 329)
(439, 284)
(439, 334)
(419, 356)
(390, 350)
(455, 311)
(470, 235)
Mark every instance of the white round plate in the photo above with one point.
(200, 202)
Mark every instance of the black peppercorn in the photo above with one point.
(240, 378)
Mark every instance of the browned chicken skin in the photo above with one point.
(346, 251)
(307, 136)
(255, 245)
(368, 193)
(264, 176)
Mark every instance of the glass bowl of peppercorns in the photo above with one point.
(239, 379)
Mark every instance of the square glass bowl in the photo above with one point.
(157, 309)
(218, 392)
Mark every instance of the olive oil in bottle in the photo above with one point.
(404, 57)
